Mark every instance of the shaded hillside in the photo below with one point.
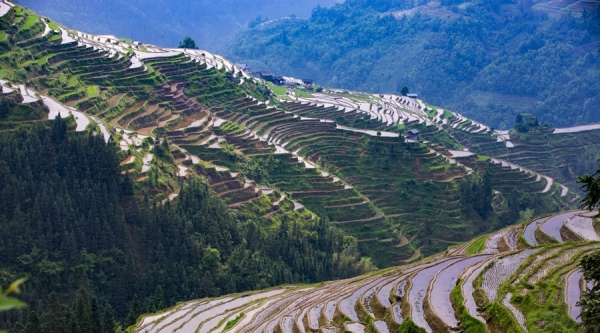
(210, 23)
(273, 154)
(521, 279)
(488, 60)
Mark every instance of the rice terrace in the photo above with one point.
(455, 226)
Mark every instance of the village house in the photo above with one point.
(307, 82)
(413, 134)
(244, 67)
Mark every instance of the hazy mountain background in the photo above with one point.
(487, 59)
(211, 23)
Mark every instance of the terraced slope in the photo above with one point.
(561, 154)
(271, 153)
(513, 287)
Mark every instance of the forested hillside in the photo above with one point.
(135, 176)
(486, 59)
(70, 221)
(162, 22)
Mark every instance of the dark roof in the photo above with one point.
(413, 132)
(264, 73)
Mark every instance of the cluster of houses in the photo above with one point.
(276, 79)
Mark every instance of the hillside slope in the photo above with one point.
(241, 183)
(210, 23)
(521, 279)
(271, 154)
(489, 59)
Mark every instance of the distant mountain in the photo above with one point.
(173, 175)
(210, 23)
(487, 59)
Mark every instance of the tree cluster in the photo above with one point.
(590, 264)
(70, 220)
(476, 193)
(491, 60)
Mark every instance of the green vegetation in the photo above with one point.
(9, 303)
(303, 94)
(92, 91)
(253, 215)
(53, 25)
(359, 45)
(31, 20)
(187, 43)
(561, 156)
(477, 245)
(408, 326)
(278, 90)
(501, 318)
(73, 82)
(234, 321)
(223, 243)
(590, 302)
(470, 324)
(231, 128)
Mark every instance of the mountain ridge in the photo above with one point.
(286, 159)
(492, 60)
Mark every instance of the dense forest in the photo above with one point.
(210, 23)
(489, 60)
(70, 220)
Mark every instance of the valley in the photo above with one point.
(442, 204)
(345, 156)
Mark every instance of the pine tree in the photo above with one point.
(134, 311)
(83, 311)
(54, 320)
(108, 321)
(33, 323)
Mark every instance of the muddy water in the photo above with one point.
(573, 294)
(192, 325)
(443, 285)
(553, 224)
(355, 328)
(381, 326)
(105, 132)
(347, 304)
(181, 317)
(529, 232)
(583, 226)
(82, 121)
(383, 294)
(313, 316)
(369, 132)
(577, 129)
(397, 313)
(468, 289)
(416, 295)
(503, 268)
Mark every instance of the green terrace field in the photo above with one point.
(335, 155)
(561, 156)
(429, 205)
